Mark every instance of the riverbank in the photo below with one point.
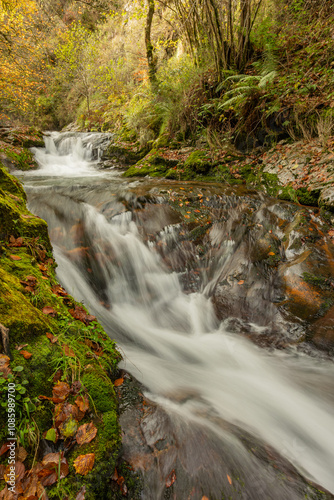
(302, 172)
(61, 362)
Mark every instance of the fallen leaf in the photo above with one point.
(55, 467)
(49, 311)
(68, 351)
(58, 375)
(51, 435)
(81, 494)
(68, 428)
(80, 314)
(15, 257)
(118, 382)
(86, 433)
(271, 253)
(19, 472)
(26, 354)
(4, 448)
(60, 391)
(21, 454)
(170, 479)
(19, 347)
(76, 387)
(58, 290)
(205, 497)
(229, 479)
(63, 412)
(4, 365)
(51, 337)
(241, 282)
(82, 402)
(15, 242)
(84, 464)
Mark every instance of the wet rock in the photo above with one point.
(323, 329)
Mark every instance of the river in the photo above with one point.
(222, 397)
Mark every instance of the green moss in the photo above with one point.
(306, 197)
(15, 218)
(198, 162)
(20, 311)
(101, 391)
(318, 281)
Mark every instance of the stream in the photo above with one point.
(237, 407)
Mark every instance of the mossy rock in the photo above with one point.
(126, 154)
(153, 164)
(198, 162)
(15, 218)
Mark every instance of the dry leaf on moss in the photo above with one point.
(86, 433)
(84, 464)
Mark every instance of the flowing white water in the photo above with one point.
(174, 344)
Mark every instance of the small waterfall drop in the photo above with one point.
(192, 365)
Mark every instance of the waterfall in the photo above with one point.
(172, 341)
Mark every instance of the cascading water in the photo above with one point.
(209, 381)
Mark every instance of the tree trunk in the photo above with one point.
(149, 46)
(245, 27)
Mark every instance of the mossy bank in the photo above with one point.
(52, 340)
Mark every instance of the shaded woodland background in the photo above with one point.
(202, 72)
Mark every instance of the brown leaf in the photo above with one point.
(81, 494)
(58, 375)
(4, 365)
(51, 337)
(86, 433)
(21, 454)
(241, 282)
(60, 391)
(18, 242)
(170, 479)
(80, 314)
(31, 279)
(51, 471)
(4, 448)
(76, 387)
(29, 487)
(49, 311)
(63, 411)
(4, 361)
(2, 471)
(84, 463)
(19, 472)
(19, 347)
(82, 402)
(15, 257)
(58, 290)
(26, 354)
(114, 477)
(68, 351)
(42, 268)
(118, 382)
